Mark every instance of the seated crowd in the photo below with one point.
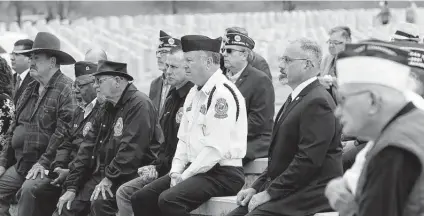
(99, 146)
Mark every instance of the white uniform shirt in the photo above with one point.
(207, 137)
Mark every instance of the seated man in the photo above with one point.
(41, 200)
(305, 151)
(116, 144)
(170, 122)
(212, 139)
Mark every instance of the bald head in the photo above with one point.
(94, 55)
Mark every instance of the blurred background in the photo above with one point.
(129, 30)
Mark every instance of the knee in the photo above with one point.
(30, 187)
(165, 199)
(97, 205)
(121, 193)
(137, 198)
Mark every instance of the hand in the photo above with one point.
(36, 168)
(258, 199)
(2, 170)
(67, 198)
(244, 196)
(63, 173)
(102, 187)
(148, 172)
(175, 179)
(339, 196)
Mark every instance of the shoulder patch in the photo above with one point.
(189, 108)
(179, 115)
(221, 108)
(87, 128)
(119, 125)
(203, 109)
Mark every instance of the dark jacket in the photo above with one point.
(67, 151)
(170, 123)
(48, 122)
(118, 142)
(17, 92)
(305, 154)
(156, 91)
(260, 63)
(258, 92)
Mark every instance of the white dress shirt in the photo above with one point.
(89, 108)
(22, 76)
(211, 136)
(300, 87)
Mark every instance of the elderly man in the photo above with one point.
(20, 64)
(212, 139)
(116, 143)
(43, 115)
(41, 200)
(392, 160)
(305, 151)
(257, 90)
(170, 122)
(255, 60)
(159, 88)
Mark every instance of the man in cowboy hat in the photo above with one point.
(257, 90)
(42, 199)
(113, 148)
(212, 139)
(43, 114)
(20, 64)
(159, 87)
(386, 116)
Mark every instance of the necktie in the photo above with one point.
(18, 81)
(283, 109)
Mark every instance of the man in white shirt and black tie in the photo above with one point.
(20, 64)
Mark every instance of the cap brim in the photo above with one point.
(114, 73)
(64, 58)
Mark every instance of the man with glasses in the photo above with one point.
(305, 151)
(115, 145)
(41, 200)
(20, 64)
(257, 90)
(375, 84)
(159, 87)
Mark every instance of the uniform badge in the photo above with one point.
(179, 115)
(119, 125)
(75, 125)
(227, 155)
(237, 38)
(203, 109)
(171, 41)
(221, 108)
(87, 128)
(87, 68)
(188, 108)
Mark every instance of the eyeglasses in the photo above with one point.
(99, 81)
(342, 98)
(331, 42)
(230, 50)
(162, 52)
(288, 60)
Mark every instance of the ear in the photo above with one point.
(375, 103)
(53, 61)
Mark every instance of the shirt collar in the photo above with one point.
(233, 78)
(302, 86)
(23, 74)
(183, 90)
(212, 81)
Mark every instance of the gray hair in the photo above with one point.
(216, 57)
(312, 49)
(346, 33)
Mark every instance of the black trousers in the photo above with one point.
(82, 206)
(46, 197)
(157, 198)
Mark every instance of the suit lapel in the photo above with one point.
(243, 76)
(295, 101)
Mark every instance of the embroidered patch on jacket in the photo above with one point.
(203, 109)
(188, 108)
(87, 128)
(221, 108)
(179, 115)
(119, 125)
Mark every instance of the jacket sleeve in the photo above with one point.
(66, 106)
(317, 129)
(7, 152)
(260, 113)
(135, 141)
(260, 181)
(261, 64)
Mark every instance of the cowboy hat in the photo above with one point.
(113, 69)
(48, 43)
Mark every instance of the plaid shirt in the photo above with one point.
(49, 120)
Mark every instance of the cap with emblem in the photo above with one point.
(407, 32)
(200, 43)
(84, 71)
(111, 68)
(375, 62)
(166, 41)
(238, 39)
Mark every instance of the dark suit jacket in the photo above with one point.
(18, 92)
(258, 92)
(305, 154)
(260, 63)
(156, 91)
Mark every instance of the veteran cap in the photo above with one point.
(166, 41)
(374, 62)
(239, 39)
(200, 43)
(407, 32)
(85, 68)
